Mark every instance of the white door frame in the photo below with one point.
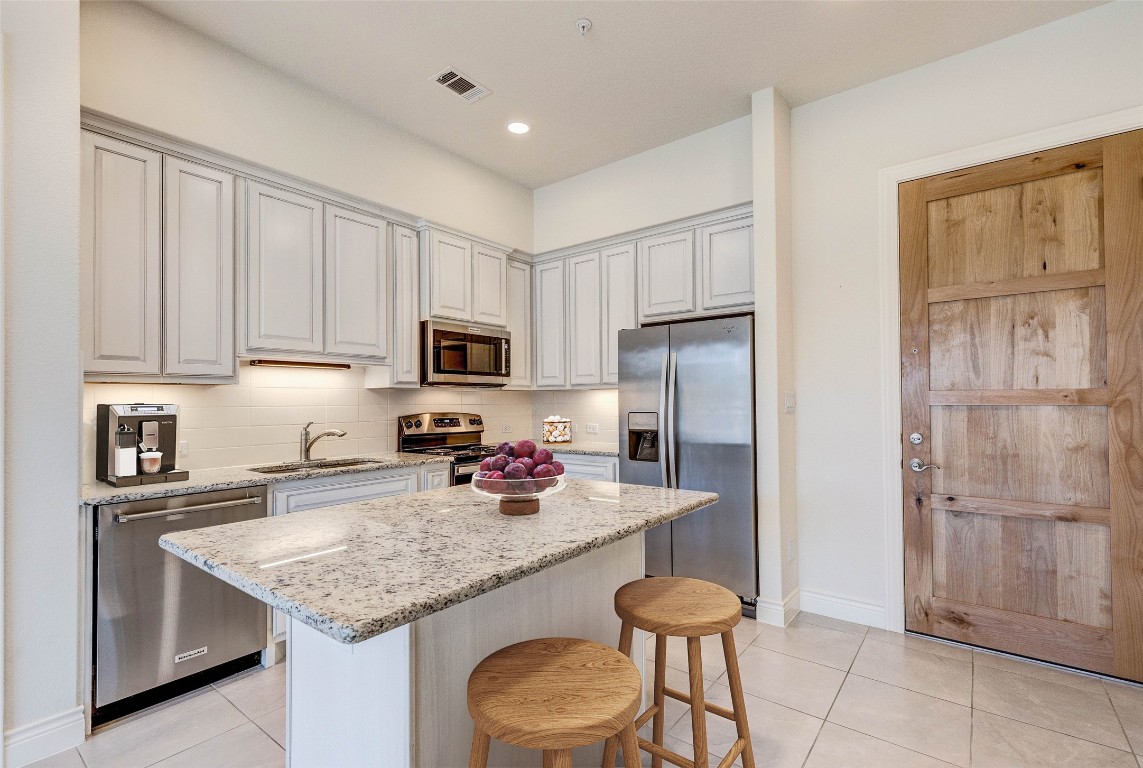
(888, 179)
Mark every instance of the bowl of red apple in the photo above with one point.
(519, 475)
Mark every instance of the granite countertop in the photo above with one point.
(203, 480)
(357, 570)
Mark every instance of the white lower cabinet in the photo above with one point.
(580, 467)
(300, 495)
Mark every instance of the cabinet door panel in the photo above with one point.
(583, 319)
(519, 277)
(198, 269)
(451, 275)
(667, 275)
(121, 256)
(619, 309)
(488, 283)
(356, 284)
(727, 265)
(406, 329)
(551, 349)
(283, 271)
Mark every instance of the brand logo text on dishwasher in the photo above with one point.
(191, 654)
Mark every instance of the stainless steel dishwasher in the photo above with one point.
(157, 618)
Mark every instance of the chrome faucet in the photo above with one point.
(307, 443)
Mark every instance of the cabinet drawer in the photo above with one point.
(288, 500)
(589, 467)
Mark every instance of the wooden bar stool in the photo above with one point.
(554, 694)
(670, 606)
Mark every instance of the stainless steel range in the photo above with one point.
(456, 435)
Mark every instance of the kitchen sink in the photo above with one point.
(294, 466)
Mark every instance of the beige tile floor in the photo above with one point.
(820, 693)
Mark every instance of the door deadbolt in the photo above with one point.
(917, 465)
(916, 438)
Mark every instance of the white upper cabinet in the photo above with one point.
(357, 303)
(450, 276)
(583, 319)
(619, 310)
(551, 335)
(462, 280)
(406, 329)
(489, 277)
(198, 270)
(121, 257)
(283, 271)
(519, 311)
(667, 275)
(726, 264)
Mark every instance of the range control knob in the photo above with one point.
(408, 425)
(417, 423)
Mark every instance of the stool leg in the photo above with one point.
(738, 701)
(660, 719)
(557, 758)
(698, 703)
(478, 757)
(630, 747)
(626, 634)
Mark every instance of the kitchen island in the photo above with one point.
(393, 601)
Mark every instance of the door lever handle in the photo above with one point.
(917, 465)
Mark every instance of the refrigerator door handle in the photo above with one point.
(664, 453)
(674, 470)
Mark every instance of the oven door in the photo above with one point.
(462, 472)
(469, 355)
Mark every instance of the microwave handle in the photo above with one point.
(504, 367)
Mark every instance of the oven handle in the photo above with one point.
(466, 469)
(183, 510)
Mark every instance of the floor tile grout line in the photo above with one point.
(899, 746)
(912, 690)
(971, 704)
(1118, 719)
(197, 744)
(1061, 733)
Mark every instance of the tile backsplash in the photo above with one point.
(258, 420)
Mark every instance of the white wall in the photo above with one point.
(1082, 66)
(42, 373)
(143, 68)
(704, 172)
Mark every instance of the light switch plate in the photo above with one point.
(593, 429)
(506, 428)
(182, 448)
(791, 402)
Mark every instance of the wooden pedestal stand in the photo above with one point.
(510, 506)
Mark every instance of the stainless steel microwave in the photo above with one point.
(465, 355)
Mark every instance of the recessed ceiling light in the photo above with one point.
(519, 127)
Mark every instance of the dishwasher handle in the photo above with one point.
(182, 510)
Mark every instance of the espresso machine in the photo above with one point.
(135, 444)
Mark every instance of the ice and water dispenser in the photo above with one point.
(643, 436)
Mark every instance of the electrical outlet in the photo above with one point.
(593, 429)
(791, 402)
(506, 428)
(183, 448)
(791, 550)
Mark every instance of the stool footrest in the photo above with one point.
(732, 755)
(714, 709)
(666, 754)
(644, 718)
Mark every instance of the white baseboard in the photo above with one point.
(779, 614)
(841, 607)
(44, 738)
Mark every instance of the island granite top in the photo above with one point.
(205, 480)
(357, 570)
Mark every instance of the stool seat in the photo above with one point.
(679, 607)
(554, 693)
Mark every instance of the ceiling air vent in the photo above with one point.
(462, 86)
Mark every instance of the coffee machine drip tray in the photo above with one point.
(174, 476)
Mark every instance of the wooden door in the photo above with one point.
(198, 270)
(519, 282)
(667, 275)
(357, 303)
(450, 273)
(489, 276)
(583, 315)
(406, 307)
(1022, 379)
(551, 346)
(619, 309)
(121, 257)
(283, 271)
(726, 264)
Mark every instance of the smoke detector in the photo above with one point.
(461, 85)
(583, 25)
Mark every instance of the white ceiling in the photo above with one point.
(646, 73)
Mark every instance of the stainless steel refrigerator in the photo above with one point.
(686, 411)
